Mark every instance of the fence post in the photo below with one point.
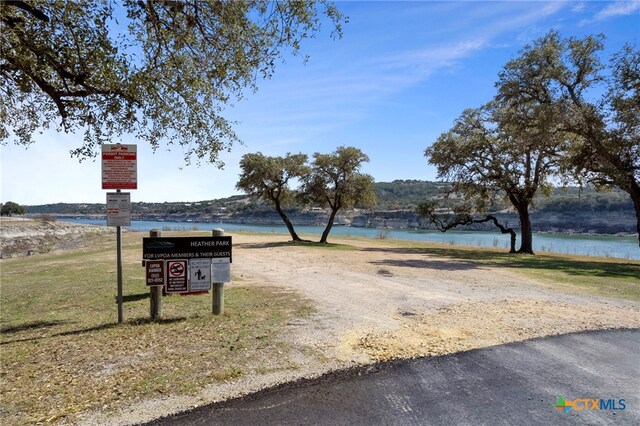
(217, 305)
(155, 306)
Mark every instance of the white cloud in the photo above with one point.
(618, 8)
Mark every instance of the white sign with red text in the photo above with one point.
(119, 166)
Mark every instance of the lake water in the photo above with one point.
(600, 246)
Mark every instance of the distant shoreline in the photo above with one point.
(279, 223)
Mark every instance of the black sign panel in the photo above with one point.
(186, 248)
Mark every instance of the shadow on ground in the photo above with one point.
(467, 259)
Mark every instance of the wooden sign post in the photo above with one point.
(217, 302)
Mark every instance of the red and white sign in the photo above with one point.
(119, 166)
(155, 272)
(176, 276)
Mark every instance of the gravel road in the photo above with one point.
(377, 302)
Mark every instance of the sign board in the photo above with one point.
(186, 248)
(155, 272)
(220, 270)
(119, 166)
(118, 209)
(176, 276)
(199, 274)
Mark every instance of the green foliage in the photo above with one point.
(335, 181)
(160, 70)
(267, 178)
(10, 208)
(564, 76)
(499, 151)
(406, 194)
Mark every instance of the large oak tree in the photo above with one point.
(600, 109)
(161, 70)
(497, 151)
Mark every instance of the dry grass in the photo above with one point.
(63, 354)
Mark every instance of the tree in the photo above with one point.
(10, 208)
(498, 151)
(335, 181)
(161, 70)
(602, 111)
(268, 178)
(462, 216)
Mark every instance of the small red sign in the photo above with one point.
(155, 272)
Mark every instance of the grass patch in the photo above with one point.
(63, 353)
(599, 276)
(325, 246)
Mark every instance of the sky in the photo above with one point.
(398, 78)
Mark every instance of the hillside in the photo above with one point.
(566, 210)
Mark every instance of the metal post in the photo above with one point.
(217, 305)
(155, 295)
(119, 271)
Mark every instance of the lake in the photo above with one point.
(599, 246)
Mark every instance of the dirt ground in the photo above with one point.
(378, 302)
(373, 302)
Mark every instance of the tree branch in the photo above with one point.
(36, 13)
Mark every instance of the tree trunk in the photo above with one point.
(504, 230)
(327, 229)
(287, 222)
(526, 243)
(635, 197)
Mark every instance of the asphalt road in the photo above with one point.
(512, 384)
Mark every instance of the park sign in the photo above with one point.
(119, 166)
(165, 248)
(186, 264)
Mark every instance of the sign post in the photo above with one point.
(217, 300)
(156, 278)
(119, 171)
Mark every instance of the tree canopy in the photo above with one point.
(335, 181)
(496, 151)
(601, 110)
(10, 208)
(160, 70)
(268, 178)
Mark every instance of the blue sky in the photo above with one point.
(400, 76)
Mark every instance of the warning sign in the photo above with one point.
(176, 276)
(155, 272)
(119, 166)
(199, 274)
